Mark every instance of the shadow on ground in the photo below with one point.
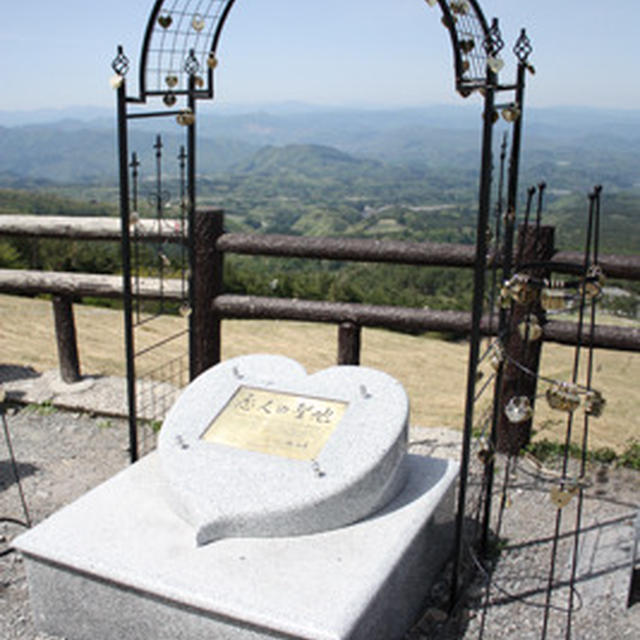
(8, 472)
(11, 372)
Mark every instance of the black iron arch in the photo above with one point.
(178, 60)
(179, 56)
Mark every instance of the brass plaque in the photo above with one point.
(280, 424)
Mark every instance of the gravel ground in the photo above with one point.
(61, 455)
(514, 604)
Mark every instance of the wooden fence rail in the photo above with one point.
(85, 228)
(78, 285)
(213, 305)
(344, 249)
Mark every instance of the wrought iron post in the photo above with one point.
(191, 196)
(121, 66)
(522, 49)
(478, 302)
(493, 46)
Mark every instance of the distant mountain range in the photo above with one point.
(565, 146)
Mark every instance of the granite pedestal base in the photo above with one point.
(119, 564)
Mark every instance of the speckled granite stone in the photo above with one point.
(119, 564)
(246, 489)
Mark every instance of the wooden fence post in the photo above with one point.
(66, 338)
(204, 342)
(535, 246)
(349, 343)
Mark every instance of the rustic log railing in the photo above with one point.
(212, 305)
(625, 267)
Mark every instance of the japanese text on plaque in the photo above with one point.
(282, 424)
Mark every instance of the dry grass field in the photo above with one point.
(433, 371)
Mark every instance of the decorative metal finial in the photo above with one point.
(135, 162)
(494, 43)
(522, 48)
(120, 63)
(191, 64)
(158, 146)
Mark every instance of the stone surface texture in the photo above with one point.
(227, 491)
(120, 564)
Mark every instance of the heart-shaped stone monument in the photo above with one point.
(255, 447)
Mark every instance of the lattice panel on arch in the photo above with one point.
(471, 30)
(179, 41)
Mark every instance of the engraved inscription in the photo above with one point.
(282, 424)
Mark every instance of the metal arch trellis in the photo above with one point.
(177, 63)
(181, 30)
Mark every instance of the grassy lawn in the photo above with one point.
(432, 371)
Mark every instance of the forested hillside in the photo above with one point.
(409, 175)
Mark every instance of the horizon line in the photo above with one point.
(360, 106)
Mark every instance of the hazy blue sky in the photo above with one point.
(375, 52)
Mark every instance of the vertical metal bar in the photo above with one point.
(585, 431)
(507, 261)
(123, 155)
(135, 164)
(516, 142)
(498, 231)
(191, 195)
(14, 467)
(541, 189)
(527, 213)
(565, 461)
(182, 158)
(478, 300)
(634, 580)
(496, 412)
(159, 211)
